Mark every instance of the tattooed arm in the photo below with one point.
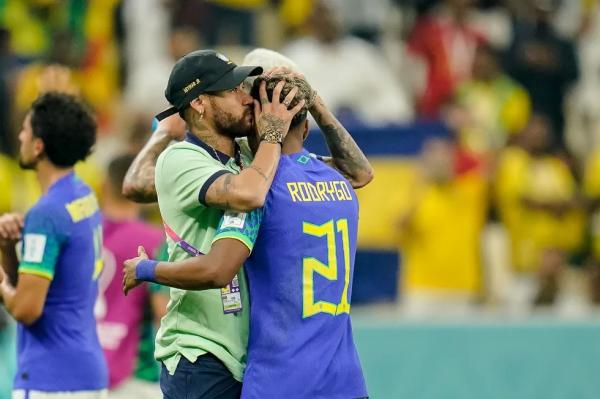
(346, 157)
(248, 190)
(138, 184)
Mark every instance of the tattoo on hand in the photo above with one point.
(272, 128)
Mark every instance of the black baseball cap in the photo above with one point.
(202, 71)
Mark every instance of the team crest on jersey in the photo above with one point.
(233, 219)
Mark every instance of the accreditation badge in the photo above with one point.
(231, 297)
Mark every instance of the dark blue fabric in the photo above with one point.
(206, 378)
(393, 140)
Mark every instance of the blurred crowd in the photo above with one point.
(500, 211)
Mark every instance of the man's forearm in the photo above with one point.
(10, 262)
(347, 157)
(247, 191)
(138, 184)
(197, 273)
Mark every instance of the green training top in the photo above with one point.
(195, 323)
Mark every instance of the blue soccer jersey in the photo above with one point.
(62, 239)
(302, 244)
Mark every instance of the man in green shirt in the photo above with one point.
(203, 337)
(194, 180)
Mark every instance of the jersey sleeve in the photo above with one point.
(185, 175)
(42, 239)
(243, 227)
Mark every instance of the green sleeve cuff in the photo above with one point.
(244, 239)
(37, 270)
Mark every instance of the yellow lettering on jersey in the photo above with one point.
(303, 191)
(319, 191)
(313, 192)
(322, 190)
(293, 189)
(82, 208)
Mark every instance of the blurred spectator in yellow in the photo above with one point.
(84, 42)
(440, 234)
(536, 195)
(591, 190)
(294, 14)
(444, 41)
(544, 63)
(493, 106)
(350, 74)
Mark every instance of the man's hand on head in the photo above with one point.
(297, 79)
(272, 117)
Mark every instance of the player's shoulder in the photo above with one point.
(50, 212)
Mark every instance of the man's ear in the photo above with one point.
(199, 105)
(38, 146)
(305, 130)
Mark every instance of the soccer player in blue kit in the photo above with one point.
(299, 257)
(58, 352)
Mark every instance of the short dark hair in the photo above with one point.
(65, 125)
(300, 117)
(117, 169)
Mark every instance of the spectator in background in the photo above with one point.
(591, 190)
(7, 67)
(232, 22)
(440, 234)
(350, 74)
(492, 106)
(544, 63)
(119, 317)
(365, 19)
(445, 41)
(583, 110)
(536, 197)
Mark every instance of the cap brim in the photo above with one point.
(234, 78)
(166, 113)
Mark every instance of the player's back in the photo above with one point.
(300, 277)
(62, 241)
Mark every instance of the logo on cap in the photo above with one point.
(223, 58)
(191, 85)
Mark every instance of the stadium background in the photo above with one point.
(477, 275)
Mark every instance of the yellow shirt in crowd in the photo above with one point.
(591, 188)
(440, 246)
(544, 178)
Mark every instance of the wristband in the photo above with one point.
(146, 270)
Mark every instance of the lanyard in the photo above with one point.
(230, 294)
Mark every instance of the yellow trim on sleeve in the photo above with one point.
(34, 272)
(236, 236)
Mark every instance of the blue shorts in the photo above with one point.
(206, 378)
